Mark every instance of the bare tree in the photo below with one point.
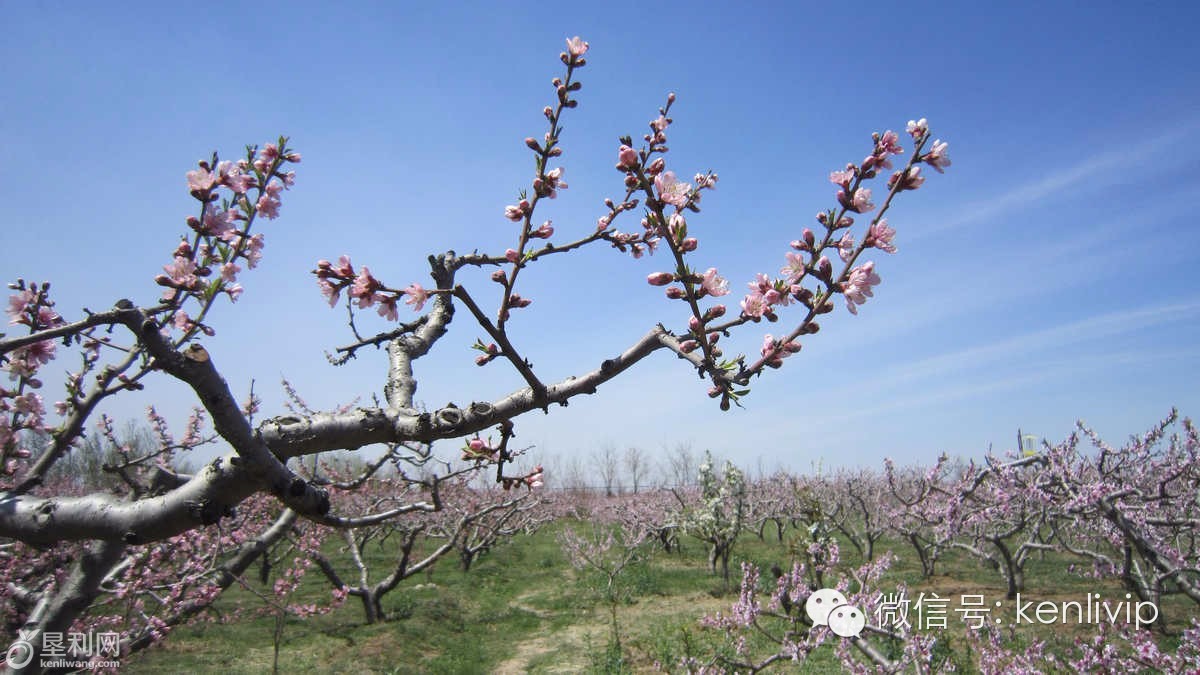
(637, 466)
(680, 467)
(608, 468)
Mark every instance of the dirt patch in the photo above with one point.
(570, 644)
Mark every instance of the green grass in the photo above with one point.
(522, 608)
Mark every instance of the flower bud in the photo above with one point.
(660, 278)
(688, 245)
(627, 157)
(499, 276)
(674, 292)
(824, 267)
(532, 143)
(656, 167)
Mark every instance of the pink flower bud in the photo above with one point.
(512, 256)
(627, 157)
(532, 143)
(499, 276)
(674, 292)
(688, 245)
(694, 325)
(660, 278)
(688, 346)
(656, 167)
(824, 267)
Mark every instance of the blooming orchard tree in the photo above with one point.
(125, 347)
(715, 513)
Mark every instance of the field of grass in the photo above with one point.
(523, 608)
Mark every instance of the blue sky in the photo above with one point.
(1048, 276)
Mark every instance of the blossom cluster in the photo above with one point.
(232, 196)
(22, 409)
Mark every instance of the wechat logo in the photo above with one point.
(828, 607)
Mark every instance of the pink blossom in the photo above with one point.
(672, 191)
(858, 288)
(511, 255)
(387, 306)
(713, 284)
(40, 352)
(48, 317)
(229, 272)
(234, 291)
(364, 288)
(253, 251)
(266, 157)
(182, 272)
(918, 128)
(753, 305)
(517, 212)
(937, 157)
(859, 203)
(910, 179)
(233, 176)
(182, 320)
(845, 247)
(544, 232)
(881, 236)
(30, 404)
(201, 180)
(842, 178)
(329, 291)
(794, 270)
(416, 296)
(552, 183)
(268, 206)
(576, 47)
(17, 304)
(890, 142)
(216, 221)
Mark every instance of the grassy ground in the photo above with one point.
(522, 608)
